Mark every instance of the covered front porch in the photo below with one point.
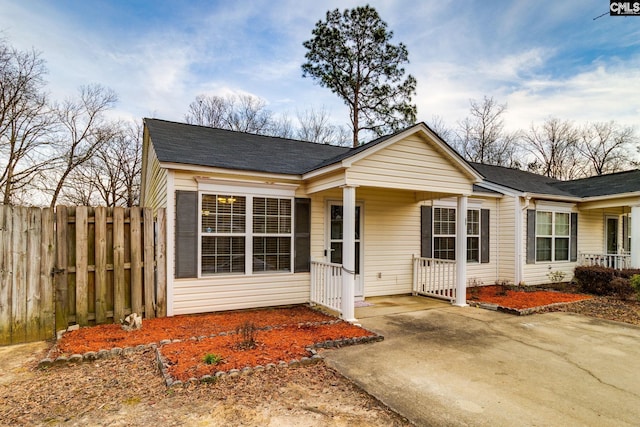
(433, 278)
(368, 222)
(610, 236)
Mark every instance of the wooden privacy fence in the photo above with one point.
(80, 265)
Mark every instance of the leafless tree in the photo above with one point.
(481, 137)
(438, 125)
(25, 121)
(84, 129)
(554, 148)
(112, 176)
(606, 146)
(315, 126)
(246, 113)
(242, 113)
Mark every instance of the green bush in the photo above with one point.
(604, 281)
(635, 284)
(212, 359)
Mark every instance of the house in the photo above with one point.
(261, 221)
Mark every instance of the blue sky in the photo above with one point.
(543, 58)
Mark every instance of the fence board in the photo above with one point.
(32, 292)
(149, 283)
(101, 264)
(82, 270)
(19, 277)
(78, 265)
(6, 268)
(118, 264)
(161, 264)
(47, 248)
(62, 220)
(136, 260)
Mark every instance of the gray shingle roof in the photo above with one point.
(603, 185)
(204, 146)
(519, 180)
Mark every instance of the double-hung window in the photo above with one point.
(473, 235)
(271, 234)
(444, 233)
(245, 234)
(552, 236)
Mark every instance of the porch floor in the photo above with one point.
(394, 304)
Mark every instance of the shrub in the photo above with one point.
(246, 335)
(594, 280)
(628, 273)
(635, 284)
(603, 281)
(212, 359)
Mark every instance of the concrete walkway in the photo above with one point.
(471, 367)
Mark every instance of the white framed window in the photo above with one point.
(444, 234)
(245, 234)
(473, 235)
(553, 231)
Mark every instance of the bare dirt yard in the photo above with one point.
(128, 390)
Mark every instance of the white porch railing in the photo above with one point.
(326, 285)
(434, 277)
(618, 261)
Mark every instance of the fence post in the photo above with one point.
(100, 221)
(149, 294)
(82, 271)
(62, 300)
(118, 265)
(47, 253)
(136, 259)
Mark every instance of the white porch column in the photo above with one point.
(461, 252)
(635, 236)
(348, 252)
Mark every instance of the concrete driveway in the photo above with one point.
(472, 367)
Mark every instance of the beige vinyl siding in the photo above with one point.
(410, 164)
(325, 182)
(487, 273)
(591, 231)
(155, 178)
(538, 273)
(391, 239)
(239, 292)
(506, 231)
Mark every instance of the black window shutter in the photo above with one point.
(302, 235)
(484, 236)
(531, 236)
(573, 250)
(426, 214)
(186, 250)
(625, 233)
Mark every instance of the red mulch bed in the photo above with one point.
(282, 334)
(182, 327)
(186, 359)
(520, 299)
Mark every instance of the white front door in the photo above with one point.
(334, 241)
